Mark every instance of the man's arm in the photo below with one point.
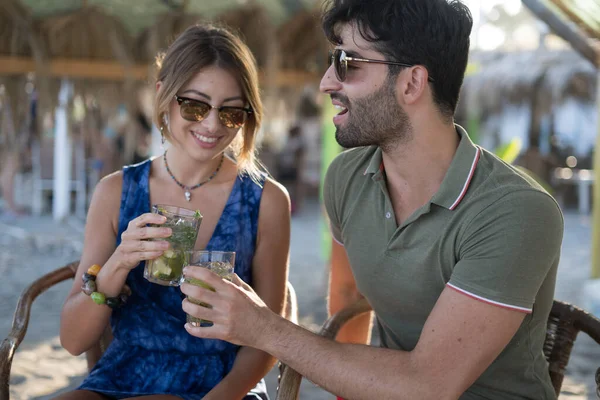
(342, 293)
(459, 341)
(506, 254)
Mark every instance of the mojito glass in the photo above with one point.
(221, 263)
(168, 268)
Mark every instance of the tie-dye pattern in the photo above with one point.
(151, 352)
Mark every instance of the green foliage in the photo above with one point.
(510, 151)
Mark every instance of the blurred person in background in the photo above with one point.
(15, 151)
(290, 165)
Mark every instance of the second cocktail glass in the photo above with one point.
(221, 263)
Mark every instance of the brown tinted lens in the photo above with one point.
(339, 65)
(232, 117)
(194, 110)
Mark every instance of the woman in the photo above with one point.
(207, 104)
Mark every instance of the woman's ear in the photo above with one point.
(158, 85)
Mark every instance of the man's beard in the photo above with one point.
(376, 119)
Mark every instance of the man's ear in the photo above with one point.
(414, 84)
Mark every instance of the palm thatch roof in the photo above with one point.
(15, 29)
(139, 14)
(586, 14)
(87, 33)
(159, 35)
(302, 42)
(253, 24)
(514, 78)
(530, 85)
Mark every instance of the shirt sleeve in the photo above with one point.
(332, 205)
(508, 250)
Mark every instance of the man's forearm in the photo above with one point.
(348, 370)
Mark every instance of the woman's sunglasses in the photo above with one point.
(339, 59)
(196, 111)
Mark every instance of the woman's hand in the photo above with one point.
(138, 244)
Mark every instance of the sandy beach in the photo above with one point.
(31, 247)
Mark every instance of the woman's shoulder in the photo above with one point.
(275, 197)
(109, 187)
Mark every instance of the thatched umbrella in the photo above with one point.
(18, 37)
(539, 80)
(89, 33)
(302, 44)
(159, 35)
(253, 23)
(14, 29)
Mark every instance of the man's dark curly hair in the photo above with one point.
(432, 33)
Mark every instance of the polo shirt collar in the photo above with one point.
(458, 177)
(376, 164)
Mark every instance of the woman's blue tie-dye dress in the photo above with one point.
(151, 352)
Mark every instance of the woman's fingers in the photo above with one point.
(145, 219)
(131, 246)
(146, 232)
(148, 255)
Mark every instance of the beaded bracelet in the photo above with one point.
(89, 288)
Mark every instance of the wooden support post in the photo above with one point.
(558, 26)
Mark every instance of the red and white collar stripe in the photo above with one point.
(468, 181)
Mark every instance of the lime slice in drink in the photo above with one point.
(170, 254)
(161, 268)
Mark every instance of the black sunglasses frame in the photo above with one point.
(339, 59)
(180, 100)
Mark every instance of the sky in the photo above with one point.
(485, 36)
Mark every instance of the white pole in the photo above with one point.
(61, 199)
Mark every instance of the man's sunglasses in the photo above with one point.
(197, 110)
(340, 60)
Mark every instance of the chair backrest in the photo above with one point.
(564, 323)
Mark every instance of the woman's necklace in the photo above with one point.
(188, 189)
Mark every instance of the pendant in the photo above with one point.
(188, 195)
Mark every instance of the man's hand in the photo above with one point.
(238, 313)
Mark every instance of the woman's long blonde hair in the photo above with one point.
(201, 46)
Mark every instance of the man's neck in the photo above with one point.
(415, 169)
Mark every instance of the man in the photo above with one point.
(455, 251)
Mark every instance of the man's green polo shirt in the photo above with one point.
(490, 232)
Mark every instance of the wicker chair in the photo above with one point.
(21, 321)
(564, 323)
